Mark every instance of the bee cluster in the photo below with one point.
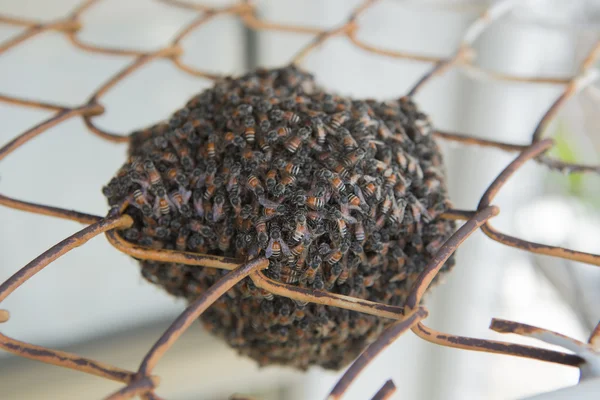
(341, 195)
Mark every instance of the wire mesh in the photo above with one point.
(142, 382)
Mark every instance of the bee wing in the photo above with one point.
(185, 194)
(268, 203)
(349, 218)
(269, 250)
(284, 248)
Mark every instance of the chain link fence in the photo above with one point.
(409, 317)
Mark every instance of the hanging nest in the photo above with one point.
(341, 195)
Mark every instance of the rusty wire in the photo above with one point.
(142, 383)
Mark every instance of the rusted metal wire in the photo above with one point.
(142, 383)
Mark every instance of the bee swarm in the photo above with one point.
(341, 195)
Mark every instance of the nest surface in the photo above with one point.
(341, 195)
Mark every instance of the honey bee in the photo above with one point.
(386, 205)
(354, 157)
(311, 271)
(398, 208)
(291, 117)
(210, 146)
(171, 174)
(162, 204)
(217, 211)
(254, 183)
(263, 122)
(181, 241)
(315, 203)
(152, 172)
(276, 244)
(418, 210)
(287, 167)
(283, 132)
(225, 238)
(260, 224)
(296, 251)
(229, 137)
(271, 179)
(414, 168)
(293, 142)
(417, 243)
(372, 189)
(140, 201)
(340, 221)
(359, 230)
(271, 209)
(337, 120)
(301, 229)
(343, 276)
(337, 167)
(209, 191)
(333, 256)
(302, 257)
(320, 131)
(198, 203)
(348, 140)
(264, 143)
(287, 180)
(334, 180)
(250, 134)
(334, 273)
(180, 199)
(168, 157)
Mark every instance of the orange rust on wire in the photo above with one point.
(352, 35)
(32, 103)
(139, 62)
(387, 337)
(26, 137)
(250, 20)
(325, 298)
(386, 392)
(195, 309)
(493, 346)
(171, 256)
(519, 328)
(537, 248)
(65, 360)
(437, 262)
(569, 91)
(342, 29)
(533, 151)
(60, 249)
(542, 159)
(34, 30)
(48, 210)
(84, 6)
(138, 387)
(457, 215)
(592, 57)
(74, 39)
(472, 140)
(551, 112)
(17, 21)
(20, 140)
(187, 5)
(529, 153)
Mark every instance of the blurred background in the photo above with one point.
(94, 301)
